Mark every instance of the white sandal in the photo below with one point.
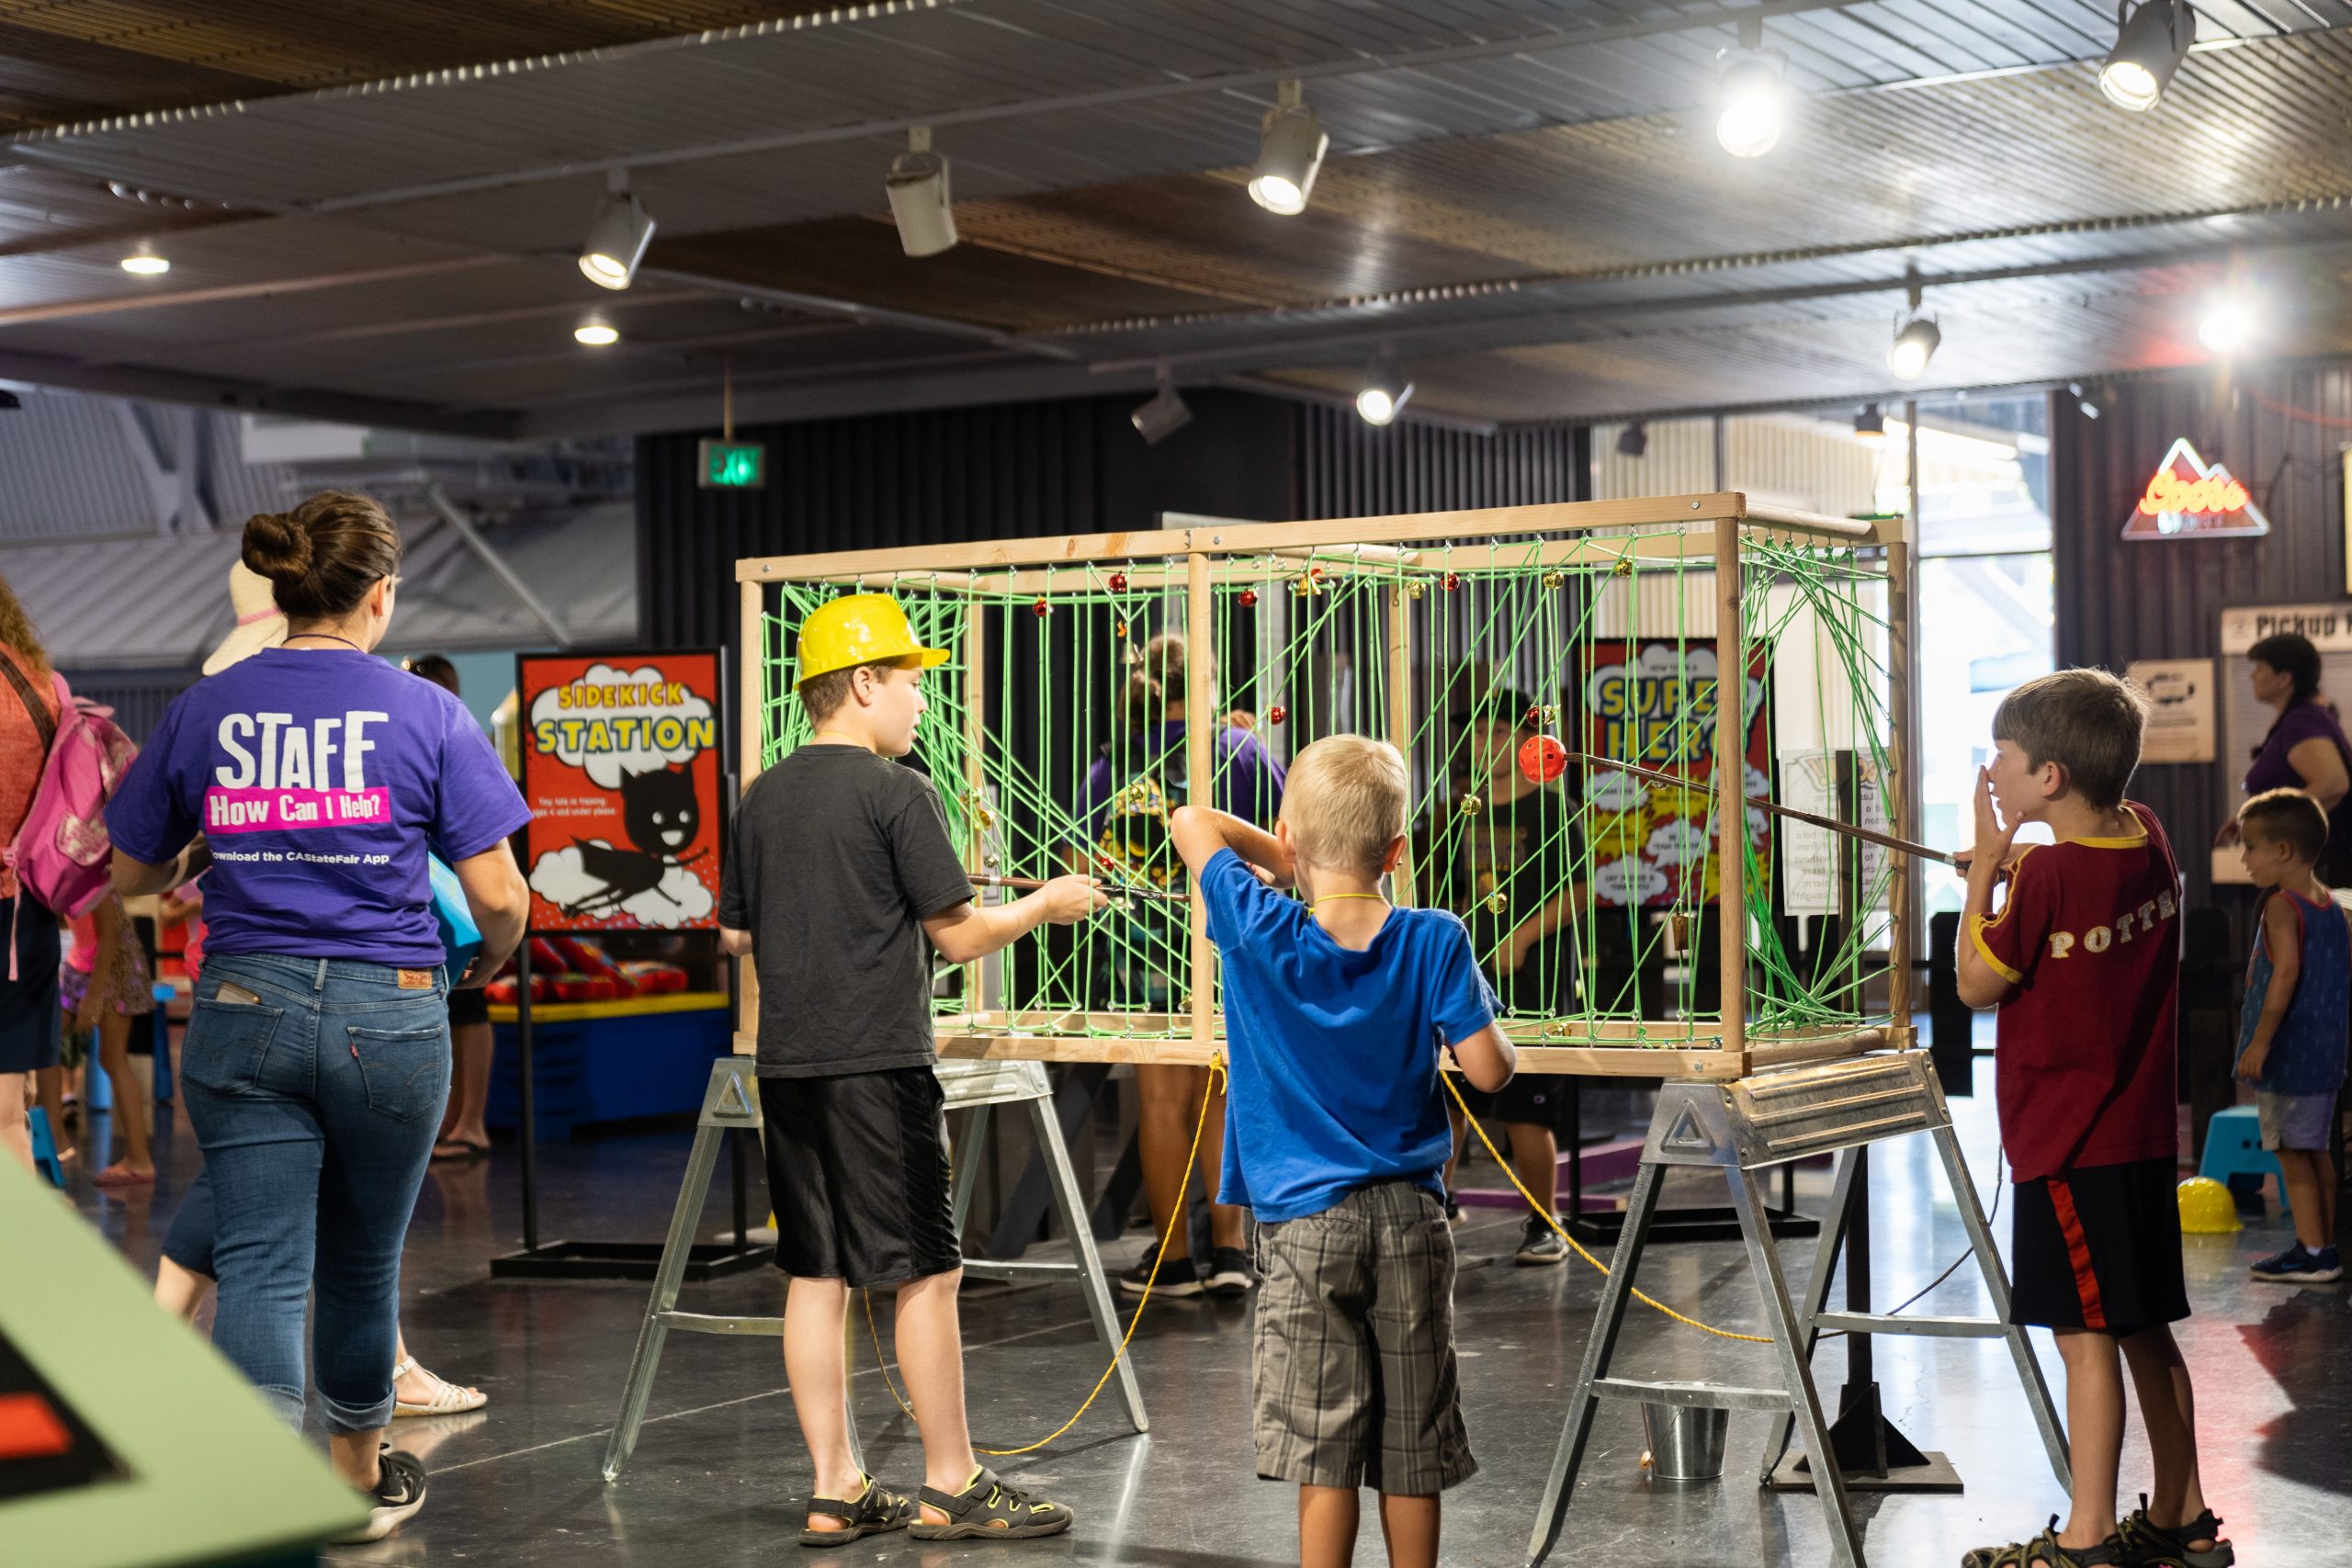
(447, 1400)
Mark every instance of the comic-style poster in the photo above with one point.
(621, 767)
(1650, 700)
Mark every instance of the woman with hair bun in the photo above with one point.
(315, 779)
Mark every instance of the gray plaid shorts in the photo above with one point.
(1355, 1383)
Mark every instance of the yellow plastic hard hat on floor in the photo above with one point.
(2207, 1207)
(858, 628)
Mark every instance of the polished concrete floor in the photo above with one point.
(717, 1477)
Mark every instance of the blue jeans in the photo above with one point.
(316, 1104)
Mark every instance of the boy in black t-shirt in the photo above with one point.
(1509, 867)
(842, 870)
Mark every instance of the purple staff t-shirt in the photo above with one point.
(321, 779)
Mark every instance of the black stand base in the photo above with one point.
(1870, 1453)
(1685, 1224)
(625, 1260)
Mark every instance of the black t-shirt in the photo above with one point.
(839, 855)
(1526, 851)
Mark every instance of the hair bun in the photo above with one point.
(278, 546)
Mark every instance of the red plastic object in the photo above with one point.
(1041, 609)
(546, 959)
(1542, 758)
(1453, 581)
(502, 992)
(1248, 598)
(1118, 583)
(587, 958)
(1276, 714)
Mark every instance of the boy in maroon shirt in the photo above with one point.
(2084, 963)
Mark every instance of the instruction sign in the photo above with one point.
(2180, 708)
(620, 765)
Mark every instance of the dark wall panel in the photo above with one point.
(2279, 431)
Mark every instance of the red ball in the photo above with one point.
(1248, 598)
(1453, 581)
(1041, 608)
(1118, 583)
(1276, 714)
(1542, 758)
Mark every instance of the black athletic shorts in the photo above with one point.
(2098, 1247)
(29, 1016)
(1538, 1099)
(857, 1170)
(467, 1007)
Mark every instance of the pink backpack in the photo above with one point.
(62, 853)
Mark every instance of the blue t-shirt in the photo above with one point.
(1333, 1053)
(321, 779)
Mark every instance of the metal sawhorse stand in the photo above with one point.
(1740, 1129)
(732, 1101)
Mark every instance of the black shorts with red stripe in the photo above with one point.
(2098, 1247)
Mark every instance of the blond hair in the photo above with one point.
(16, 632)
(1345, 802)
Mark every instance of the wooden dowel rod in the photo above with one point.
(1116, 890)
(1885, 840)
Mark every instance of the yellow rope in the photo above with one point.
(1554, 1221)
(1176, 1217)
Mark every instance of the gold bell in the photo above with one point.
(1625, 567)
(1496, 903)
(1417, 589)
(1550, 715)
(1556, 579)
(1470, 804)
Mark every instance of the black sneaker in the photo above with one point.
(1229, 1273)
(399, 1493)
(1539, 1244)
(1177, 1275)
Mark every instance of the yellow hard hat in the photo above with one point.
(2207, 1207)
(858, 628)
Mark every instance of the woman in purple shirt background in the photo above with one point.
(315, 780)
(2306, 748)
(1130, 791)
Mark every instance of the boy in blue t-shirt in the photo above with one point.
(1337, 1008)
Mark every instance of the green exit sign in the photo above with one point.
(732, 465)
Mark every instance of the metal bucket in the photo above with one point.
(1686, 1441)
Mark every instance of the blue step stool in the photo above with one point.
(45, 1158)
(2234, 1148)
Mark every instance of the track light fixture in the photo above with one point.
(2150, 44)
(1385, 390)
(1291, 145)
(617, 238)
(596, 333)
(145, 263)
(1751, 92)
(1633, 441)
(1164, 416)
(2092, 401)
(919, 199)
(1917, 337)
(1870, 425)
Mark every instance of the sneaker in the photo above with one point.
(1229, 1273)
(2299, 1267)
(399, 1493)
(1539, 1244)
(989, 1508)
(1178, 1277)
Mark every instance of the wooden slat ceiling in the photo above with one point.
(1562, 260)
(90, 59)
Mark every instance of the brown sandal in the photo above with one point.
(874, 1511)
(2043, 1552)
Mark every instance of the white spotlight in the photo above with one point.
(1163, 416)
(1917, 337)
(919, 200)
(617, 238)
(1752, 90)
(1291, 145)
(595, 333)
(2227, 326)
(2149, 47)
(1385, 391)
(146, 263)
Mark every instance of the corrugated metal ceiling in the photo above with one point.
(1098, 152)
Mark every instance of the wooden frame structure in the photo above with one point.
(1707, 529)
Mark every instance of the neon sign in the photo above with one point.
(2188, 497)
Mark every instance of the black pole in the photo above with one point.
(530, 1099)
